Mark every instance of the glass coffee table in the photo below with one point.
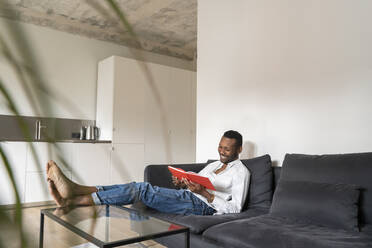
(111, 226)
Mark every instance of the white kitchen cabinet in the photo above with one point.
(31, 181)
(88, 164)
(47, 151)
(120, 100)
(16, 154)
(157, 135)
(129, 103)
(127, 163)
(179, 109)
(37, 186)
(91, 163)
(128, 112)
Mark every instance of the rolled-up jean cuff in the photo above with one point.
(99, 188)
(95, 197)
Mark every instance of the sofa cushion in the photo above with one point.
(353, 168)
(199, 223)
(278, 232)
(332, 205)
(261, 183)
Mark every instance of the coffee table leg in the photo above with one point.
(187, 239)
(41, 240)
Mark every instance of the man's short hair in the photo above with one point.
(231, 134)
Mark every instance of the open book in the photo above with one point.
(191, 176)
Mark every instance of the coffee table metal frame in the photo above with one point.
(102, 244)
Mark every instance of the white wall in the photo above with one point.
(69, 66)
(293, 76)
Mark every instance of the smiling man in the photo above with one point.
(228, 175)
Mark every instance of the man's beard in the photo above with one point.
(228, 159)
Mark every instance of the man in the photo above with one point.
(228, 175)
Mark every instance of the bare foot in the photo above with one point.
(63, 185)
(56, 196)
(61, 211)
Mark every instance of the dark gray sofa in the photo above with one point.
(319, 201)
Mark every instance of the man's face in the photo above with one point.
(228, 150)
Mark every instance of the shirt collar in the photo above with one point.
(231, 164)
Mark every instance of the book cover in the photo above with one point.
(191, 176)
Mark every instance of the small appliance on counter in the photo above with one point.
(83, 131)
(89, 133)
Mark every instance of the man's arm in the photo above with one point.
(199, 189)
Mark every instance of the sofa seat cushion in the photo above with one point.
(198, 223)
(278, 232)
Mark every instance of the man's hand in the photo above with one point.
(194, 187)
(198, 189)
(177, 182)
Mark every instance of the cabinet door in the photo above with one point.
(91, 164)
(37, 186)
(176, 90)
(181, 115)
(127, 163)
(16, 154)
(128, 110)
(45, 152)
(157, 120)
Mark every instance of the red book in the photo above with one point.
(191, 176)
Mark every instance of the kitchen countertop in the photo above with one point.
(84, 141)
(63, 141)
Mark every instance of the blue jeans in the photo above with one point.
(162, 199)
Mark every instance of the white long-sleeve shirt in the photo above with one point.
(231, 186)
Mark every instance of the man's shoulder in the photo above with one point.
(237, 163)
(241, 167)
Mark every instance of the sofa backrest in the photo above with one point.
(276, 170)
(261, 182)
(159, 175)
(353, 168)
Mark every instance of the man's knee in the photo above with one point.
(143, 186)
(144, 191)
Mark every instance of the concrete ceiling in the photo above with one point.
(166, 27)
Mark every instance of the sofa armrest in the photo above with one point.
(159, 175)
